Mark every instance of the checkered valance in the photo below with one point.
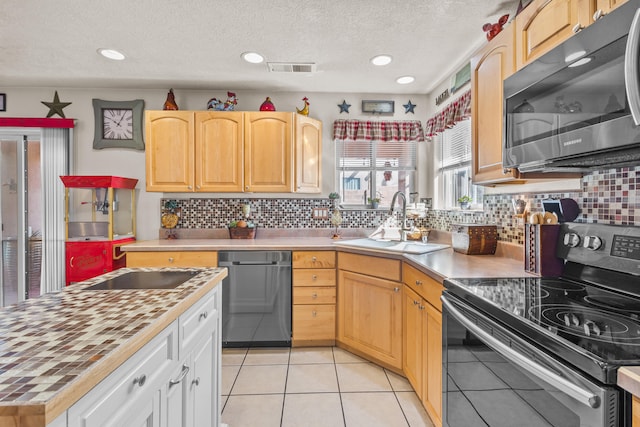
(386, 131)
(458, 110)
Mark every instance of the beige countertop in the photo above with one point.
(629, 379)
(57, 347)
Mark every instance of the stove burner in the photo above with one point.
(591, 323)
(615, 302)
(560, 285)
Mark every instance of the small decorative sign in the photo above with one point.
(442, 97)
(3, 102)
(382, 107)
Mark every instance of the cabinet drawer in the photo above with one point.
(314, 322)
(314, 295)
(172, 259)
(314, 259)
(371, 266)
(314, 277)
(204, 314)
(133, 383)
(428, 288)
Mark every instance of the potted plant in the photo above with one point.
(373, 201)
(465, 202)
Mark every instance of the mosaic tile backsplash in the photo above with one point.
(607, 197)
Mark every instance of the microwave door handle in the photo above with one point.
(583, 396)
(631, 78)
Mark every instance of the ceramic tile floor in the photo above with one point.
(309, 387)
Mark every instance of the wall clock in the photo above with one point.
(378, 107)
(118, 124)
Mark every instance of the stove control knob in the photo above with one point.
(591, 329)
(572, 320)
(592, 243)
(571, 240)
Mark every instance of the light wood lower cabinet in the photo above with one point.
(172, 259)
(422, 339)
(635, 410)
(370, 309)
(314, 298)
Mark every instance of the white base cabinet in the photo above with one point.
(173, 381)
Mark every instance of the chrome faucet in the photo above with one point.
(403, 224)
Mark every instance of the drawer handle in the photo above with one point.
(140, 380)
(314, 313)
(421, 307)
(577, 28)
(314, 277)
(416, 302)
(314, 295)
(419, 282)
(599, 14)
(185, 371)
(396, 289)
(170, 259)
(196, 382)
(203, 315)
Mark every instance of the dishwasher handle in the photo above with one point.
(253, 263)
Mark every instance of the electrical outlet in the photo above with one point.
(320, 213)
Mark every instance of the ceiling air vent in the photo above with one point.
(292, 67)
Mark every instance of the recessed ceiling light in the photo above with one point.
(111, 54)
(574, 55)
(404, 80)
(580, 62)
(252, 57)
(381, 60)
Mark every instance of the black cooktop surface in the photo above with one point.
(572, 320)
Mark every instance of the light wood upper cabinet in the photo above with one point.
(308, 155)
(489, 67)
(219, 163)
(214, 151)
(170, 151)
(544, 24)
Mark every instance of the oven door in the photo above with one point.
(493, 378)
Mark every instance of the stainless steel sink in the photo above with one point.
(391, 246)
(145, 280)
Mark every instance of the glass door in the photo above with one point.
(21, 217)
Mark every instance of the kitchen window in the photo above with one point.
(375, 160)
(453, 166)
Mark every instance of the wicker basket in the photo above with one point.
(242, 232)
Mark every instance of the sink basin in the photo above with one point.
(391, 246)
(145, 280)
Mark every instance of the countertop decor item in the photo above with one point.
(474, 239)
(336, 220)
(118, 124)
(525, 107)
(55, 106)
(465, 202)
(305, 109)
(267, 105)
(170, 103)
(242, 230)
(344, 107)
(408, 107)
(228, 105)
(493, 30)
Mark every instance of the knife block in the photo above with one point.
(540, 241)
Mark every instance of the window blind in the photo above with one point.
(456, 145)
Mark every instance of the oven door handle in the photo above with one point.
(631, 83)
(583, 396)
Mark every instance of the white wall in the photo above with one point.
(26, 102)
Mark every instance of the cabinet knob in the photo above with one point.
(314, 313)
(419, 282)
(196, 382)
(203, 315)
(197, 187)
(416, 302)
(421, 307)
(506, 171)
(170, 259)
(396, 289)
(246, 188)
(189, 187)
(577, 28)
(599, 14)
(313, 259)
(314, 295)
(314, 277)
(140, 380)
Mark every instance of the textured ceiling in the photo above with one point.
(196, 44)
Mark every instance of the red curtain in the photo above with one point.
(387, 131)
(458, 110)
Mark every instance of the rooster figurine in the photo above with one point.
(170, 103)
(305, 109)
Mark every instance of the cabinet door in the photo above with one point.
(219, 151)
(308, 155)
(544, 24)
(176, 392)
(370, 316)
(203, 386)
(85, 260)
(432, 374)
(412, 339)
(142, 414)
(268, 152)
(170, 150)
(489, 67)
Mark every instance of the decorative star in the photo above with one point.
(344, 107)
(55, 107)
(408, 107)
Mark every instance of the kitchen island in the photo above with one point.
(56, 348)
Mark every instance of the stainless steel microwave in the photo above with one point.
(577, 107)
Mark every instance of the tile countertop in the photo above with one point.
(55, 348)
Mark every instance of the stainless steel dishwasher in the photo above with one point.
(256, 298)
